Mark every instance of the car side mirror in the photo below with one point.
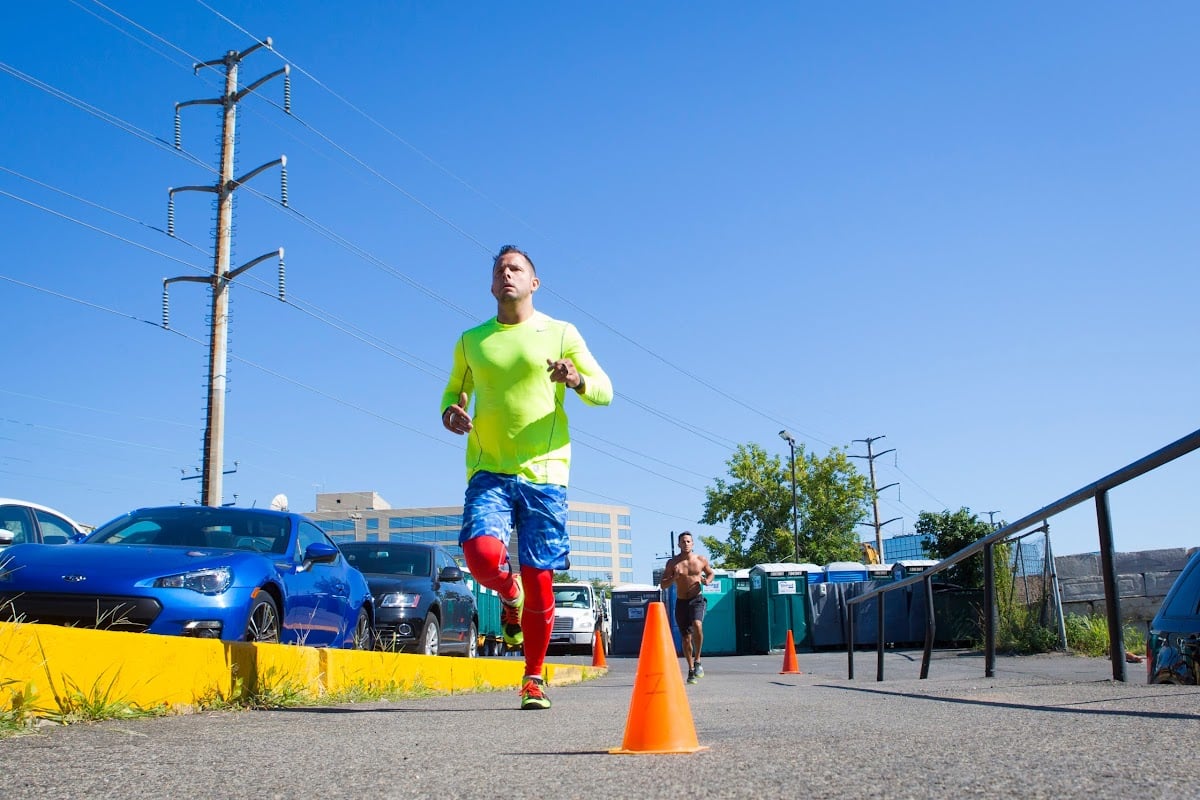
(450, 574)
(6, 537)
(320, 553)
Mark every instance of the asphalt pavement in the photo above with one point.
(1051, 726)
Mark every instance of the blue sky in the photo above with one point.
(968, 229)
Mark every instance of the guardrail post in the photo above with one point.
(879, 641)
(850, 639)
(930, 627)
(989, 611)
(1112, 602)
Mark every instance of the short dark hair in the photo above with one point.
(683, 534)
(512, 248)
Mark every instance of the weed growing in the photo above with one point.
(1088, 635)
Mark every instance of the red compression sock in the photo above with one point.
(538, 619)
(486, 558)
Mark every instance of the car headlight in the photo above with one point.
(204, 581)
(399, 600)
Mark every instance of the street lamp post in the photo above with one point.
(791, 440)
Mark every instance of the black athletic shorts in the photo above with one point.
(689, 611)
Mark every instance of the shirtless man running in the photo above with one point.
(688, 571)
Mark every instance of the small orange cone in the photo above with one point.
(790, 667)
(660, 720)
(598, 659)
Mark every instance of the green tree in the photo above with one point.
(756, 504)
(947, 532)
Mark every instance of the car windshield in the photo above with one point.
(574, 598)
(189, 527)
(388, 559)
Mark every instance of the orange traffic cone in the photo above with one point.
(598, 659)
(660, 720)
(790, 667)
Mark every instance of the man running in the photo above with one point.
(518, 366)
(689, 570)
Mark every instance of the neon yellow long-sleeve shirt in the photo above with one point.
(519, 425)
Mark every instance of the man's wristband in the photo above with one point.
(581, 387)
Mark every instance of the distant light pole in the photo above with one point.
(791, 440)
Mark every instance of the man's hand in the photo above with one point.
(455, 418)
(563, 371)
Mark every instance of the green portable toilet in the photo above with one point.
(720, 618)
(778, 595)
(743, 611)
(487, 605)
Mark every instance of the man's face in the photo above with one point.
(685, 545)
(513, 279)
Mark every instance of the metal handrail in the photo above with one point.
(1097, 491)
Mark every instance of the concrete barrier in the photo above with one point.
(49, 670)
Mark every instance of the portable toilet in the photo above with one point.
(743, 611)
(629, 604)
(845, 572)
(487, 606)
(720, 618)
(907, 567)
(669, 595)
(814, 572)
(778, 595)
(826, 613)
(879, 573)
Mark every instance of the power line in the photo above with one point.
(598, 320)
(325, 231)
(695, 431)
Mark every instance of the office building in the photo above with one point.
(601, 537)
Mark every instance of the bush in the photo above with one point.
(1021, 632)
(1088, 635)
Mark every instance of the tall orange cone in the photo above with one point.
(660, 720)
(598, 659)
(790, 667)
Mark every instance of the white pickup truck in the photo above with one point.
(578, 612)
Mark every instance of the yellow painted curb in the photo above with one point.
(49, 670)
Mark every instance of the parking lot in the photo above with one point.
(1045, 726)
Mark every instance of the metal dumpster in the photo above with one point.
(629, 604)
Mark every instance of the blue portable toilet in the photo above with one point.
(845, 572)
(814, 572)
(669, 595)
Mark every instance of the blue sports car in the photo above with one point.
(236, 574)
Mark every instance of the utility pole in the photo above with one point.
(221, 277)
(791, 440)
(870, 457)
(991, 518)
